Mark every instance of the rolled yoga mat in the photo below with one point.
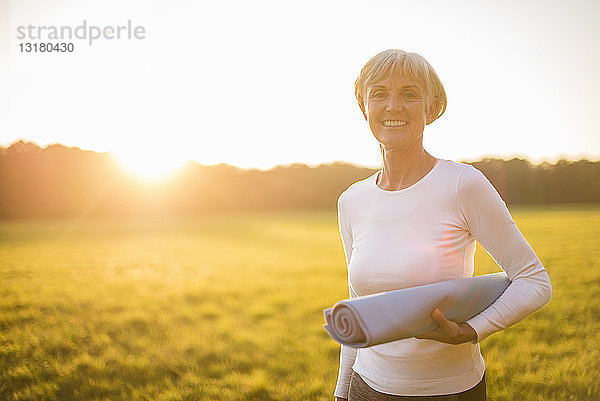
(395, 315)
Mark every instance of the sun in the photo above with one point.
(149, 165)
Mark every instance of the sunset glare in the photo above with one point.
(149, 165)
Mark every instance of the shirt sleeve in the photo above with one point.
(487, 218)
(347, 354)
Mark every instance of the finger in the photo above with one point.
(443, 323)
(438, 316)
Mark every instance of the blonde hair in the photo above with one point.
(413, 66)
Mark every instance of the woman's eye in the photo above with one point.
(377, 95)
(410, 96)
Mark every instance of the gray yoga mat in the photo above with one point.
(395, 315)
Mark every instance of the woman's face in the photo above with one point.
(396, 111)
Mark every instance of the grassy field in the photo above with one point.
(230, 308)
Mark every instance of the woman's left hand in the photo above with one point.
(448, 331)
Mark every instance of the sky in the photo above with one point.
(262, 83)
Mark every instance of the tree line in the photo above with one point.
(59, 181)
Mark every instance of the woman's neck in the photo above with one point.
(403, 168)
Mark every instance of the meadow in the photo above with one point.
(229, 307)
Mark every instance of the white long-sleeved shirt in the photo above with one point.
(424, 234)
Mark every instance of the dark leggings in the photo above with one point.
(361, 391)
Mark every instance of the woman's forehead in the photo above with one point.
(395, 80)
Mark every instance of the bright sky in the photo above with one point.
(259, 83)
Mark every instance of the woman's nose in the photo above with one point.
(394, 103)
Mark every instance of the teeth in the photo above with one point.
(393, 123)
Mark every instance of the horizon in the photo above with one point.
(293, 163)
(58, 180)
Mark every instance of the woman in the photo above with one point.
(415, 222)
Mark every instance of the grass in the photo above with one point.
(230, 308)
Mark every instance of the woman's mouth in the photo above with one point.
(394, 123)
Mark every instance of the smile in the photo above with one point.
(393, 123)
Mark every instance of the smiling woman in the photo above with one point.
(415, 222)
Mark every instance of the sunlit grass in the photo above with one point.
(230, 308)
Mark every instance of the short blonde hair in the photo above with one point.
(413, 66)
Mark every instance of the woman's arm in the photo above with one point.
(347, 354)
(487, 218)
